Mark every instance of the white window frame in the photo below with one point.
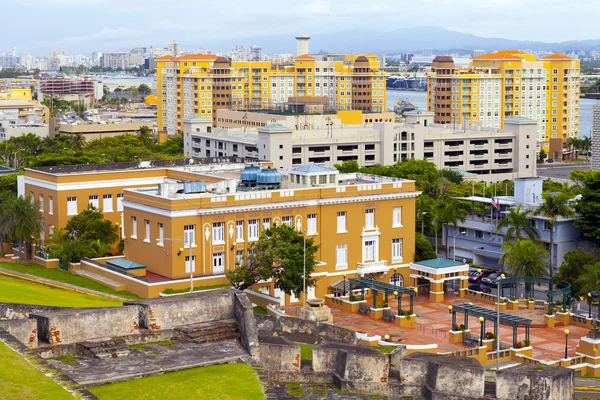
(94, 201)
(107, 203)
(370, 218)
(341, 256)
(396, 250)
(253, 230)
(134, 227)
(287, 220)
(187, 264)
(239, 231)
(120, 197)
(50, 205)
(41, 197)
(147, 231)
(341, 222)
(218, 258)
(239, 257)
(218, 233)
(311, 224)
(72, 205)
(189, 235)
(370, 255)
(397, 217)
(266, 223)
(161, 235)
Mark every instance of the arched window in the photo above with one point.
(397, 280)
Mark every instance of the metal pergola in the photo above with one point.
(376, 287)
(513, 282)
(470, 310)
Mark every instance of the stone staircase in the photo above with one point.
(100, 279)
(206, 332)
(103, 348)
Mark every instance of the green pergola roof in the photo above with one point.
(439, 263)
(490, 315)
(368, 283)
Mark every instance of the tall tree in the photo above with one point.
(524, 258)
(554, 206)
(589, 280)
(589, 204)
(448, 212)
(279, 255)
(518, 222)
(6, 198)
(423, 249)
(78, 141)
(145, 135)
(574, 263)
(22, 219)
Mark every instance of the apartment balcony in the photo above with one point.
(372, 267)
(479, 166)
(503, 145)
(452, 158)
(478, 156)
(497, 165)
(504, 155)
(478, 146)
(466, 91)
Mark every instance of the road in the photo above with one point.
(560, 172)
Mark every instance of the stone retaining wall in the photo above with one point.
(279, 354)
(24, 330)
(299, 330)
(20, 311)
(245, 317)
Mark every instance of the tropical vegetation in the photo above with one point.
(518, 222)
(20, 220)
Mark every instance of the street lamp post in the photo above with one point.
(189, 244)
(589, 305)
(481, 320)
(454, 237)
(423, 222)
(566, 342)
(502, 276)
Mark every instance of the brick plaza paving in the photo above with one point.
(433, 323)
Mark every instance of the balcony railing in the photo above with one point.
(372, 267)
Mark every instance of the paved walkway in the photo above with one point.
(433, 323)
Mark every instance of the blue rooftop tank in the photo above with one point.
(249, 174)
(269, 176)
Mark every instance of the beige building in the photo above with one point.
(94, 131)
(491, 154)
(19, 117)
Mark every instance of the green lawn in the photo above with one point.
(222, 382)
(260, 310)
(196, 289)
(14, 290)
(65, 277)
(21, 380)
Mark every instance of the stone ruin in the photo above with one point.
(316, 310)
(219, 327)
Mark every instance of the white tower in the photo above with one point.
(302, 45)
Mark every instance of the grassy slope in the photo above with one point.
(66, 277)
(20, 380)
(19, 291)
(222, 382)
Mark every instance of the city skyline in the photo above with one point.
(151, 22)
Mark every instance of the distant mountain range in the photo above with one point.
(397, 41)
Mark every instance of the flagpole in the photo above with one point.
(304, 271)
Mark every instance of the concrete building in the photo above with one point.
(596, 137)
(302, 45)
(174, 48)
(489, 155)
(96, 130)
(507, 84)
(478, 239)
(81, 89)
(18, 117)
(363, 224)
(200, 84)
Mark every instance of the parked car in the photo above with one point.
(473, 276)
(480, 276)
(494, 282)
(478, 287)
(487, 280)
(549, 161)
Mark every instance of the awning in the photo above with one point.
(339, 285)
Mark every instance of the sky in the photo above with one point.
(83, 26)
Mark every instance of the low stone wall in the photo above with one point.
(299, 330)
(526, 382)
(261, 299)
(434, 376)
(76, 325)
(24, 330)
(20, 311)
(171, 312)
(279, 354)
(245, 317)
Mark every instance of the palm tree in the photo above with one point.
(23, 220)
(524, 258)
(78, 141)
(518, 221)
(448, 212)
(586, 145)
(144, 134)
(553, 207)
(574, 145)
(6, 198)
(589, 279)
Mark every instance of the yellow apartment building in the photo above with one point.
(203, 83)
(510, 84)
(363, 224)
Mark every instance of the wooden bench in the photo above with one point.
(388, 316)
(468, 340)
(364, 309)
